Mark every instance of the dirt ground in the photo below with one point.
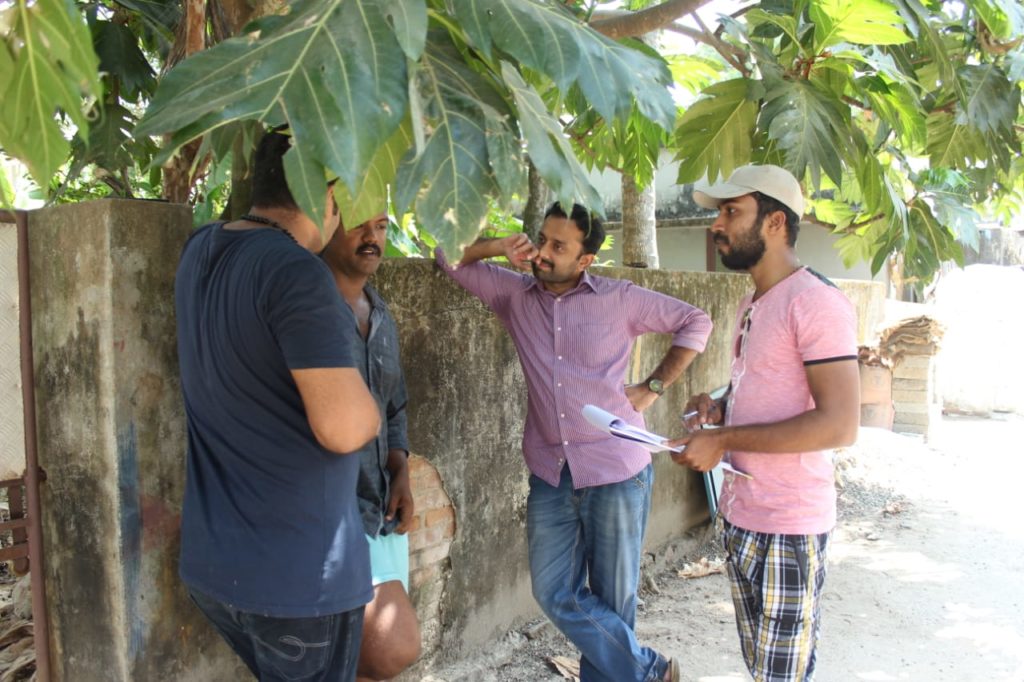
(926, 577)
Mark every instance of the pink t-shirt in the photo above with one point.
(800, 321)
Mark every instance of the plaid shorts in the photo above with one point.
(776, 589)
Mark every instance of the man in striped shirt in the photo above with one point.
(589, 492)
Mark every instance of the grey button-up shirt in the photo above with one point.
(378, 360)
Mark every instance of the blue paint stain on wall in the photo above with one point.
(130, 510)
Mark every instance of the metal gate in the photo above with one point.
(19, 471)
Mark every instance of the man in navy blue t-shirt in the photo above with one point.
(272, 547)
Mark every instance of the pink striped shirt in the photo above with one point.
(574, 349)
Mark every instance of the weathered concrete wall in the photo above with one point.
(112, 440)
(111, 437)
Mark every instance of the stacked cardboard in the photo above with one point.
(911, 345)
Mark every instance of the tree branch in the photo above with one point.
(625, 24)
(733, 55)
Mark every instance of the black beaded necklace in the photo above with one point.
(263, 220)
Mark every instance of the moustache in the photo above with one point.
(368, 249)
(548, 263)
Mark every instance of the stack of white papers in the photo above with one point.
(618, 427)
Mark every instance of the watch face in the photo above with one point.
(656, 386)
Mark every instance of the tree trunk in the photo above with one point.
(179, 171)
(639, 238)
(536, 203)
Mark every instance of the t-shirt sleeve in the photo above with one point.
(825, 323)
(307, 316)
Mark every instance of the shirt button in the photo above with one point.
(562, 415)
(558, 329)
(557, 300)
(559, 385)
(559, 357)
(565, 442)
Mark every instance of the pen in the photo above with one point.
(687, 415)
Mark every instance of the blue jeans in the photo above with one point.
(585, 565)
(317, 649)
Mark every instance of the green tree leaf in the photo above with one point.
(549, 151)
(410, 22)
(120, 57)
(50, 66)
(951, 144)
(1004, 18)
(865, 22)
(451, 174)
(371, 195)
(545, 37)
(989, 102)
(714, 135)
(898, 107)
(332, 68)
(811, 128)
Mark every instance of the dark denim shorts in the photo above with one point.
(317, 649)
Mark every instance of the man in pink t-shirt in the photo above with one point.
(793, 395)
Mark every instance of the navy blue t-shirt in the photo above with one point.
(270, 523)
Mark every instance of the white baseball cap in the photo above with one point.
(773, 181)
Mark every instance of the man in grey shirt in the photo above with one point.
(391, 637)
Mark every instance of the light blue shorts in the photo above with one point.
(389, 558)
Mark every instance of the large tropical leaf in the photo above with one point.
(898, 107)
(549, 150)
(989, 100)
(714, 135)
(544, 36)
(120, 57)
(371, 195)
(952, 144)
(451, 177)
(334, 70)
(811, 128)
(865, 22)
(48, 64)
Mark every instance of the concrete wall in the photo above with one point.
(112, 438)
(111, 435)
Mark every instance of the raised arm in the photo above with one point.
(517, 248)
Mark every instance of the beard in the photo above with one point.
(745, 252)
(552, 275)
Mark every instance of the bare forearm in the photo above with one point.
(813, 430)
(482, 248)
(672, 366)
(398, 460)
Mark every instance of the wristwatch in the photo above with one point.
(656, 386)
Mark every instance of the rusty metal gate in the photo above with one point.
(19, 468)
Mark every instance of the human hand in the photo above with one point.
(640, 396)
(702, 450)
(400, 502)
(519, 251)
(701, 410)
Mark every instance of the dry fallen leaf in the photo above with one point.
(569, 668)
(702, 568)
(892, 509)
